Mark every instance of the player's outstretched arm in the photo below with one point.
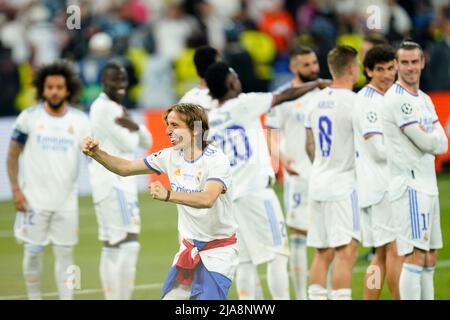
(14, 151)
(199, 200)
(122, 167)
(294, 93)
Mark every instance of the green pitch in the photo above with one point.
(158, 246)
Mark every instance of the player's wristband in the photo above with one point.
(168, 195)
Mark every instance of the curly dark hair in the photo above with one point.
(61, 68)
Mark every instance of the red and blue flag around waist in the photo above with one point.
(189, 270)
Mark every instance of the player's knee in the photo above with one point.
(65, 252)
(325, 255)
(33, 249)
(431, 258)
(297, 232)
(417, 257)
(347, 254)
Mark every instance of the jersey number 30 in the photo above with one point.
(234, 144)
(325, 130)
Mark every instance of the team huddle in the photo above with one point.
(357, 167)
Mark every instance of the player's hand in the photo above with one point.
(90, 146)
(287, 165)
(323, 83)
(20, 202)
(126, 122)
(157, 191)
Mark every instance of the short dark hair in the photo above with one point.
(191, 113)
(111, 66)
(378, 54)
(204, 57)
(300, 50)
(409, 44)
(216, 79)
(59, 68)
(339, 58)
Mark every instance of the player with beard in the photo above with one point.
(48, 136)
(286, 130)
(115, 197)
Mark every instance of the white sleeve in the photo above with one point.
(371, 120)
(404, 113)
(442, 145)
(159, 160)
(254, 105)
(21, 127)
(220, 170)
(274, 118)
(145, 137)
(426, 142)
(308, 111)
(376, 148)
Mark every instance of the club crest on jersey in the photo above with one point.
(406, 108)
(41, 126)
(372, 117)
(198, 178)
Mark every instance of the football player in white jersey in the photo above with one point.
(235, 127)
(115, 197)
(377, 219)
(200, 178)
(286, 129)
(204, 57)
(334, 226)
(413, 136)
(44, 186)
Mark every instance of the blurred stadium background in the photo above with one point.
(155, 40)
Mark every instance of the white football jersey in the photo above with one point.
(51, 155)
(117, 141)
(372, 176)
(201, 97)
(236, 128)
(191, 176)
(408, 166)
(289, 119)
(333, 174)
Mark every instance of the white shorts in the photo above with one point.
(378, 224)
(417, 218)
(261, 229)
(41, 227)
(334, 223)
(117, 215)
(296, 202)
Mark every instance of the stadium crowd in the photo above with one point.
(155, 40)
